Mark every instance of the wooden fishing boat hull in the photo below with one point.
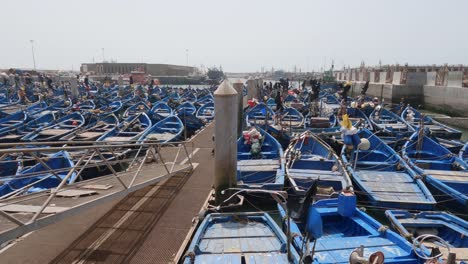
(344, 229)
(235, 237)
(436, 129)
(59, 160)
(444, 172)
(265, 171)
(384, 178)
(166, 130)
(310, 159)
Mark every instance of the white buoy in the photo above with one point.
(225, 167)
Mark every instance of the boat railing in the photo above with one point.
(124, 162)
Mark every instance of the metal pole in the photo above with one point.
(32, 49)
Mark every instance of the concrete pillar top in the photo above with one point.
(225, 89)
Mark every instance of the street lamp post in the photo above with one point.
(32, 49)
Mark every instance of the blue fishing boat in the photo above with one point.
(186, 108)
(450, 228)
(280, 134)
(311, 159)
(173, 96)
(14, 135)
(140, 107)
(293, 101)
(414, 118)
(39, 177)
(445, 172)
(205, 99)
(159, 111)
(131, 129)
(260, 162)
(63, 126)
(62, 106)
(356, 115)
(206, 112)
(319, 123)
(335, 231)
(36, 109)
(188, 97)
(291, 117)
(239, 238)
(85, 105)
(331, 101)
(94, 130)
(389, 122)
(12, 121)
(167, 130)
(271, 103)
(383, 177)
(464, 153)
(260, 114)
(108, 109)
(191, 122)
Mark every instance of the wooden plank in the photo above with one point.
(258, 168)
(97, 186)
(447, 173)
(313, 172)
(22, 208)
(384, 176)
(449, 178)
(256, 162)
(75, 193)
(54, 132)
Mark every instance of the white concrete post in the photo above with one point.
(251, 88)
(225, 165)
(74, 88)
(239, 86)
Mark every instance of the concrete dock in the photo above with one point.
(146, 226)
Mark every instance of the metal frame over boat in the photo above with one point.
(311, 159)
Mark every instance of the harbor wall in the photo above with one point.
(392, 93)
(444, 89)
(446, 99)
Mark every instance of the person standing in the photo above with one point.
(279, 102)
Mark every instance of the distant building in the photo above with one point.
(147, 68)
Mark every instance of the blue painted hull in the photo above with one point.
(346, 230)
(265, 171)
(59, 160)
(441, 170)
(225, 238)
(384, 178)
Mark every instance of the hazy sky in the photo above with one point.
(239, 35)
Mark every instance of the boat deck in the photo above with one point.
(146, 226)
(392, 186)
(443, 175)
